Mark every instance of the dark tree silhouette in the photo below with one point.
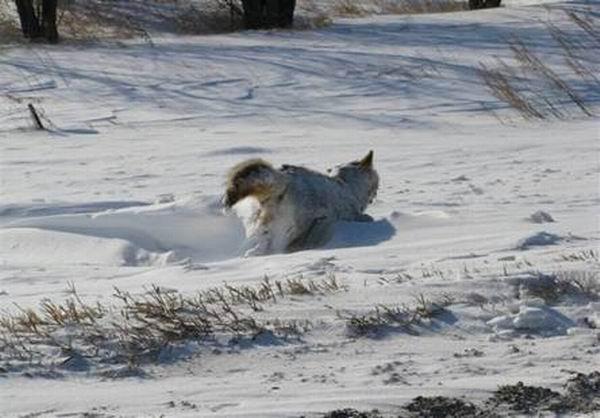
(29, 22)
(483, 4)
(266, 14)
(35, 26)
(49, 20)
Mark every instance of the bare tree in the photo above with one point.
(37, 24)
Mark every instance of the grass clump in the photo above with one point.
(421, 6)
(352, 413)
(557, 286)
(525, 399)
(383, 317)
(271, 291)
(581, 397)
(134, 330)
(442, 407)
(353, 8)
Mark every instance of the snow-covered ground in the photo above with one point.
(124, 192)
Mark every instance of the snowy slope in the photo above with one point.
(124, 191)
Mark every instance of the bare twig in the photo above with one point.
(35, 117)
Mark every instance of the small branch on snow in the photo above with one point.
(36, 118)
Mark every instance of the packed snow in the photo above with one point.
(494, 214)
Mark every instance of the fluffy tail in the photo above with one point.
(250, 178)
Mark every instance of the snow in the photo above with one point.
(533, 319)
(124, 192)
(158, 232)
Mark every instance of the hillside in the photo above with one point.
(479, 270)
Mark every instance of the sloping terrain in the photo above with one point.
(480, 268)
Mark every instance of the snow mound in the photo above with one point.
(38, 246)
(535, 319)
(139, 235)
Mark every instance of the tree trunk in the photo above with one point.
(286, 13)
(40, 24)
(253, 13)
(49, 20)
(29, 21)
(267, 14)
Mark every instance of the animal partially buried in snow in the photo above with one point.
(298, 207)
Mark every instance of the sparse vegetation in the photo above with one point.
(583, 255)
(353, 8)
(555, 287)
(421, 6)
(581, 396)
(352, 413)
(138, 328)
(534, 88)
(94, 20)
(272, 290)
(349, 8)
(582, 392)
(525, 399)
(404, 317)
(441, 406)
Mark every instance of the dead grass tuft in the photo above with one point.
(557, 286)
(216, 17)
(404, 317)
(421, 6)
(592, 256)
(137, 329)
(270, 291)
(349, 8)
(353, 8)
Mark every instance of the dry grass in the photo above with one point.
(384, 317)
(532, 63)
(96, 20)
(501, 83)
(349, 8)
(271, 291)
(218, 16)
(131, 332)
(353, 8)
(421, 6)
(534, 88)
(137, 329)
(592, 256)
(99, 21)
(558, 286)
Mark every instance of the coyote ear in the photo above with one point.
(367, 162)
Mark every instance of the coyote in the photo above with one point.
(297, 206)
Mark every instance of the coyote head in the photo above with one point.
(361, 177)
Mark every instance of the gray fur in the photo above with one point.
(298, 206)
